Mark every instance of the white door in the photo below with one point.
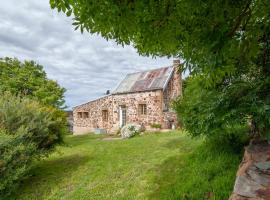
(122, 116)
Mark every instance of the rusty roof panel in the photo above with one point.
(158, 82)
(144, 81)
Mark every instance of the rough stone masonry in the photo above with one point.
(142, 98)
(253, 176)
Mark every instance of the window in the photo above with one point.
(105, 115)
(79, 114)
(83, 115)
(165, 100)
(142, 109)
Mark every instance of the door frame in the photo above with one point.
(122, 117)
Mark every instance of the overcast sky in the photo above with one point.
(86, 65)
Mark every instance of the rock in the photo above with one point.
(259, 177)
(238, 197)
(253, 176)
(245, 164)
(100, 131)
(264, 193)
(246, 187)
(130, 130)
(263, 165)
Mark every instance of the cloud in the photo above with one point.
(86, 65)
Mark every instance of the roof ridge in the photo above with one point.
(95, 99)
(149, 70)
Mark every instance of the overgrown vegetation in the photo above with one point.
(157, 126)
(220, 113)
(203, 173)
(28, 131)
(152, 166)
(234, 110)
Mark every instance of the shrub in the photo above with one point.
(219, 113)
(134, 129)
(28, 131)
(156, 126)
(130, 130)
(16, 157)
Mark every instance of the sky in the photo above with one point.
(86, 65)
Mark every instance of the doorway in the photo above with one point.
(122, 116)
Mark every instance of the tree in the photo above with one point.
(226, 43)
(29, 79)
(213, 36)
(226, 112)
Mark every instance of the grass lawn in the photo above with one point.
(153, 166)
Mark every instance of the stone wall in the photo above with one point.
(153, 101)
(253, 177)
(94, 108)
(169, 120)
(111, 103)
(173, 91)
(174, 87)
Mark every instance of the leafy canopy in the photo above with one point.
(213, 36)
(29, 79)
(227, 110)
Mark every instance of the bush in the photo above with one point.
(156, 126)
(134, 129)
(216, 113)
(130, 130)
(16, 157)
(229, 141)
(28, 131)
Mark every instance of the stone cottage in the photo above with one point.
(141, 98)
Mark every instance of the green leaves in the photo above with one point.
(28, 131)
(226, 109)
(69, 12)
(212, 35)
(29, 79)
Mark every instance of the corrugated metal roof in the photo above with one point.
(145, 81)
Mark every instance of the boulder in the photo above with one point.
(253, 176)
(130, 130)
(246, 187)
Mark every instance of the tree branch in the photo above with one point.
(239, 19)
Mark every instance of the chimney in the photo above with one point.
(177, 77)
(108, 92)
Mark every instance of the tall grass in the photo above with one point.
(205, 173)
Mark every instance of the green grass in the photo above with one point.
(153, 166)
